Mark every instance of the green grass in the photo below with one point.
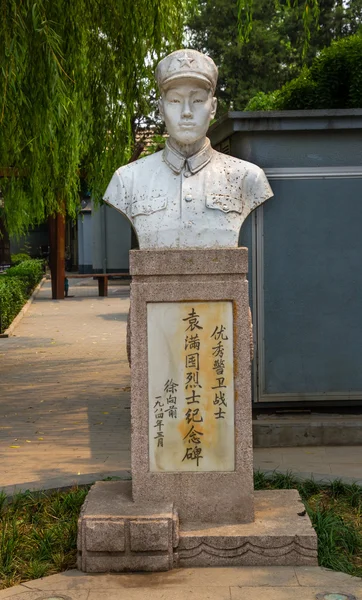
(38, 534)
(38, 531)
(336, 514)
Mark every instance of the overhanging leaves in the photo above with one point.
(72, 74)
(309, 13)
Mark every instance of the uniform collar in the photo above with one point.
(195, 163)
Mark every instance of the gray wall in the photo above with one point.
(305, 250)
(37, 237)
(111, 240)
(85, 237)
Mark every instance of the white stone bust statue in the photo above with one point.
(187, 195)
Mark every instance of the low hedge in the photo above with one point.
(29, 271)
(12, 298)
(16, 285)
(16, 259)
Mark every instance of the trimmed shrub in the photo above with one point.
(16, 259)
(16, 286)
(333, 81)
(29, 271)
(12, 298)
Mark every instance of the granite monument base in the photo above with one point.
(191, 501)
(281, 535)
(191, 439)
(116, 534)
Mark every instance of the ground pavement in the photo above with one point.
(65, 401)
(243, 583)
(64, 390)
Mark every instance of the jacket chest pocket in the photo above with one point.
(148, 206)
(224, 203)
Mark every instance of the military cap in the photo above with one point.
(184, 64)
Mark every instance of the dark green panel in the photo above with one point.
(313, 287)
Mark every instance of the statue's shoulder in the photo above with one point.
(235, 165)
(141, 165)
(244, 176)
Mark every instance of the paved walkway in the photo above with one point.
(65, 403)
(64, 390)
(243, 583)
(323, 463)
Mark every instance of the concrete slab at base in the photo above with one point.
(281, 535)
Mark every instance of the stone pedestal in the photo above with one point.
(212, 285)
(191, 502)
(114, 534)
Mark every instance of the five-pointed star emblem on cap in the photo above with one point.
(185, 61)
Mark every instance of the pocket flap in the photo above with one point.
(148, 207)
(224, 203)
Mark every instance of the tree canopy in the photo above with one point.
(334, 80)
(273, 52)
(77, 74)
(74, 73)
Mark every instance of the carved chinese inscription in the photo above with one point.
(191, 386)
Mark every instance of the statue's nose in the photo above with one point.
(186, 110)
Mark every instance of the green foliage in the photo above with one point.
(309, 11)
(16, 286)
(244, 69)
(74, 77)
(273, 53)
(38, 535)
(16, 259)
(262, 101)
(333, 81)
(338, 540)
(29, 271)
(12, 298)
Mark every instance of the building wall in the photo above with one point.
(37, 238)
(305, 251)
(85, 236)
(111, 240)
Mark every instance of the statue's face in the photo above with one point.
(187, 109)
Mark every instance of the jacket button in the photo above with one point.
(225, 206)
(188, 198)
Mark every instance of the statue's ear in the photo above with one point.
(213, 108)
(160, 107)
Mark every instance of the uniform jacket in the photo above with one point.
(197, 202)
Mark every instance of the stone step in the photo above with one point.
(271, 431)
(281, 534)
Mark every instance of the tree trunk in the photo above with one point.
(57, 255)
(4, 245)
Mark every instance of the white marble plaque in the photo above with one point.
(191, 386)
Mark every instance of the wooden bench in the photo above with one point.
(101, 277)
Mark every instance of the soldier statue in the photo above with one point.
(187, 195)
